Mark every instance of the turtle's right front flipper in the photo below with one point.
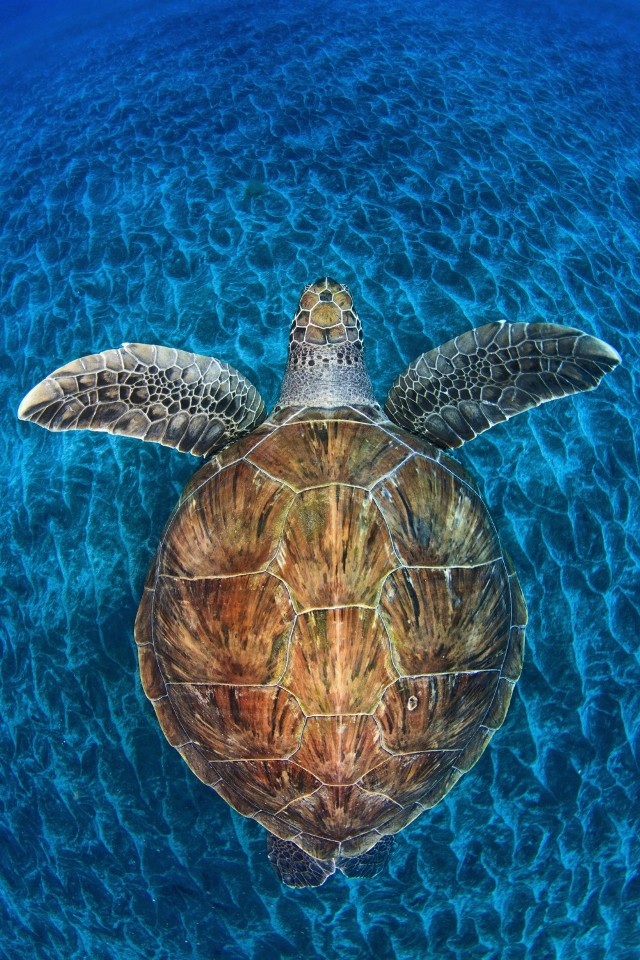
(451, 394)
(193, 403)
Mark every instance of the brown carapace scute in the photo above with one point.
(330, 632)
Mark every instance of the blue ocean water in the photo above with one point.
(175, 172)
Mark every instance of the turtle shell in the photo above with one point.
(330, 632)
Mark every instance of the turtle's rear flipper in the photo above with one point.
(484, 376)
(183, 400)
(368, 864)
(296, 868)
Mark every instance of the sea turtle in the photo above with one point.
(330, 631)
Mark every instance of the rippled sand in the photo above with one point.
(176, 177)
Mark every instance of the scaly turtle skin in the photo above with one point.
(330, 631)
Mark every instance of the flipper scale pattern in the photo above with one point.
(179, 399)
(484, 376)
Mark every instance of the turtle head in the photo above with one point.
(326, 318)
(326, 358)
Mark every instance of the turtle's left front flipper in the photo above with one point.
(484, 376)
(193, 403)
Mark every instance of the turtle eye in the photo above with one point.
(412, 703)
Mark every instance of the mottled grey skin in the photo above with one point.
(317, 379)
